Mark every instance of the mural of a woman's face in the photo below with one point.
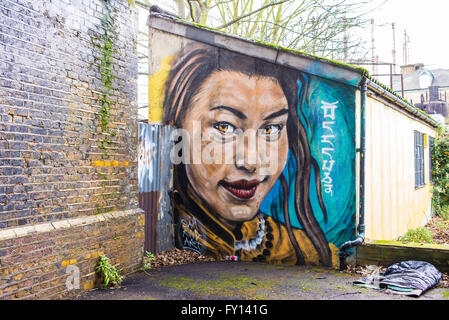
(228, 106)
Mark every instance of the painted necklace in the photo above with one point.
(251, 244)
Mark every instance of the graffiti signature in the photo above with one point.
(191, 235)
(329, 114)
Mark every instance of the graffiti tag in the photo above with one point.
(327, 140)
(191, 236)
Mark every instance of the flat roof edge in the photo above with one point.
(325, 68)
(410, 109)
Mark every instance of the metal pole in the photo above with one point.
(402, 84)
(391, 76)
(361, 224)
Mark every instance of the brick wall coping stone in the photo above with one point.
(386, 253)
(18, 232)
(408, 244)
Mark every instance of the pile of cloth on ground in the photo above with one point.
(411, 278)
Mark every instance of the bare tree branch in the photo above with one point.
(250, 14)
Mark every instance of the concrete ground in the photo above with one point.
(245, 281)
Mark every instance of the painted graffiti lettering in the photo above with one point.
(191, 236)
(327, 141)
(328, 165)
(327, 125)
(329, 109)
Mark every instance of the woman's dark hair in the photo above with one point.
(191, 67)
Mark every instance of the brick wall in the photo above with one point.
(51, 167)
(34, 263)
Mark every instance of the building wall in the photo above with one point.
(393, 204)
(52, 166)
(415, 95)
(318, 212)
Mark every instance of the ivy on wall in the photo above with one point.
(105, 67)
(440, 174)
(103, 46)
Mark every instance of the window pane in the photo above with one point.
(419, 159)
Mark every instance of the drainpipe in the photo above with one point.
(361, 226)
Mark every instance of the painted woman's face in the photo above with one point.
(244, 146)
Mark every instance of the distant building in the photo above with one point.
(426, 89)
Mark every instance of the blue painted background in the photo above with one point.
(341, 207)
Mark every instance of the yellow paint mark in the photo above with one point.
(96, 254)
(88, 285)
(18, 277)
(66, 263)
(98, 163)
(87, 256)
(156, 90)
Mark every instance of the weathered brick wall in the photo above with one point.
(35, 264)
(51, 166)
(49, 100)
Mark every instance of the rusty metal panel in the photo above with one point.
(165, 241)
(149, 157)
(154, 179)
(148, 180)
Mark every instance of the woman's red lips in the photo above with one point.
(242, 189)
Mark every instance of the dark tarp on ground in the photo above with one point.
(411, 278)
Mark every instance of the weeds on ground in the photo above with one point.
(419, 235)
(444, 212)
(147, 260)
(108, 273)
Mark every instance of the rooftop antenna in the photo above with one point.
(394, 47)
(373, 48)
(406, 47)
(345, 40)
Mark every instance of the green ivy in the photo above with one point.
(440, 174)
(104, 64)
(103, 52)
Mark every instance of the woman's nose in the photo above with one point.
(241, 164)
(247, 157)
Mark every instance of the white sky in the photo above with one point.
(427, 24)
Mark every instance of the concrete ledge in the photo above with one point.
(18, 232)
(386, 253)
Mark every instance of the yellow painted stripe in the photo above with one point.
(101, 163)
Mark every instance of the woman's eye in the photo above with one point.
(272, 130)
(224, 127)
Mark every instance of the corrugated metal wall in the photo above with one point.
(154, 179)
(165, 240)
(393, 204)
